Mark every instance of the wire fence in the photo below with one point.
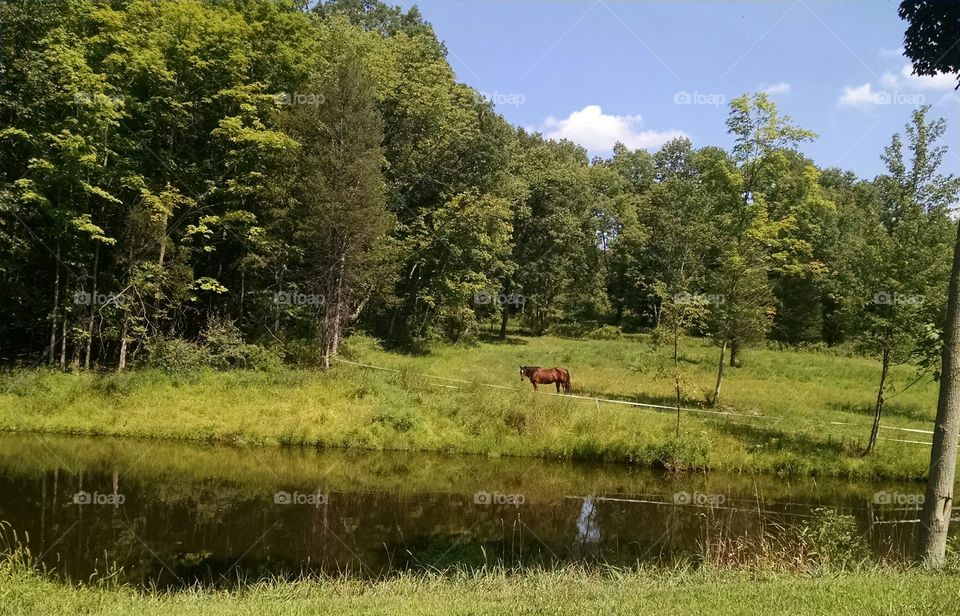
(659, 409)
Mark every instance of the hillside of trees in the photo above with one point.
(252, 180)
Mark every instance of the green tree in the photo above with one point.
(753, 242)
(901, 272)
(340, 190)
(554, 228)
(930, 36)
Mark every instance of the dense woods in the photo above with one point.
(246, 182)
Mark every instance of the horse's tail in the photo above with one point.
(566, 385)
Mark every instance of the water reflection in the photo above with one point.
(174, 514)
(588, 532)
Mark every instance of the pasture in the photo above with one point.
(783, 411)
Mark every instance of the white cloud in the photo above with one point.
(906, 79)
(902, 87)
(778, 88)
(598, 131)
(891, 53)
(860, 95)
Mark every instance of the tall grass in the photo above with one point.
(797, 393)
(495, 590)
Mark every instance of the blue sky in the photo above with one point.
(643, 71)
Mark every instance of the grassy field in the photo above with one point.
(23, 591)
(780, 406)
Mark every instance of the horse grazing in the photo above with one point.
(537, 375)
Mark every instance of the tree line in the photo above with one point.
(252, 180)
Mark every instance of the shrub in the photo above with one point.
(400, 421)
(22, 383)
(683, 454)
(175, 355)
(605, 332)
(302, 352)
(221, 347)
(115, 384)
(226, 348)
(359, 345)
(834, 539)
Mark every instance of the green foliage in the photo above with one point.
(605, 332)
(490, 589)
(894, 292)
(221, 346)
(931, 30)
(835, 539)
(175, 355)
(200, 160)
(224, 348)
(352, 406)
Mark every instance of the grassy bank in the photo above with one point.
(23, 591)
(782, 404)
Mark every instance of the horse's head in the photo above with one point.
(522, 369)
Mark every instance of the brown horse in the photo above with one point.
(537, 375)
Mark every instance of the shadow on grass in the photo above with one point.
(663, 400)
(640, 398)
(913, 412)
(774, 439)
(496, 339)
(405, 348)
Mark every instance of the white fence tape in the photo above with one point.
(724, 414)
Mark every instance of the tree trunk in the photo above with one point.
(716, 389)
(123, 341)
(93, 308)
(734, 353)
(75, 355)
(333, 314)
(338, 312)
(505, 310)
(878, 410)
(53, 312)
(676, 371)
(63, 343)
(937, 505)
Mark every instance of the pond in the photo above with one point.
(171, 514)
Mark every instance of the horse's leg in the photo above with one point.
(558, 386)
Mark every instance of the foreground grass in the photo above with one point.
(784, 407)
(23, 591)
